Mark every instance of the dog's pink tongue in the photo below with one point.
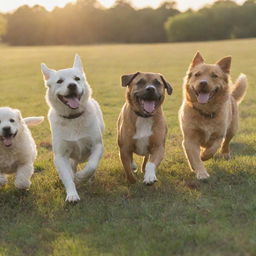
(73, 102)
(203, 98)
(7, 141)
(149, 106)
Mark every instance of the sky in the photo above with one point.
(11, 5)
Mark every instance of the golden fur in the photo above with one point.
(209, 112)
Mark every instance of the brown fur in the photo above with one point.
(210, 126)
(127, 122)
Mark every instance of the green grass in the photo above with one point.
(177, 216)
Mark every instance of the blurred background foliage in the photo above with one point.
(87, 22)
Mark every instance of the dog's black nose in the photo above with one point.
(150, 89)
(7, 129)
(203, 83)
(72, 86)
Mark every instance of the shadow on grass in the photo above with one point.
(242, 149)
(114, 218)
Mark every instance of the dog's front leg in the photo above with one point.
(211, 150)
(157, 155)
(65, 171)
(92, 164)
(192, 151)
(126, 158)
(23, 175)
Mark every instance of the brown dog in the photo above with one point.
(209, 113)
(141, 124)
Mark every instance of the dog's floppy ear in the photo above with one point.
(198, 59)
(78, 63)
(167, 85)
(46, 71)
(127, 79)
(33, 121)
(225, 64)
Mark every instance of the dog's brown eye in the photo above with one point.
(141, 82)
(12, 120)
(197, 74)
(77, 78)
(214, 75)
(156, 82)
(60, 81)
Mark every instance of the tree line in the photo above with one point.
(87, 22)
(222, 20)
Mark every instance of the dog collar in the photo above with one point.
(142, 114)
(73, 116)
(206, 115)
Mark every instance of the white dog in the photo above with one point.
(17, 147)
(76, 124)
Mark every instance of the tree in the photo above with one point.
(2, 25)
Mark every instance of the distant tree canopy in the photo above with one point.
(2, 25)
(222, 20)
(87, 22)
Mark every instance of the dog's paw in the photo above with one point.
(91, 180)
(3, 180)
(150, 179)
(131, 179)
(202, 175)
(22, 184)
(134, 167)
(72, 197)
(225, 156)
(205, 156)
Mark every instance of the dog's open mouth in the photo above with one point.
(204, 97)
(149, 105)
(71, 100)
(7, 139)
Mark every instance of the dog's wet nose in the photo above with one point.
(7, 129)
(150, 89)
(203, 83)
(72, 86)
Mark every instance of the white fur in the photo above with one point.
(33, 121)
(74, 140)
(150, 173)
(143, 132)
(20, 156)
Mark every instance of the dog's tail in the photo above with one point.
(33, 121)
(239, 88)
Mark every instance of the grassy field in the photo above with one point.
(177, 216)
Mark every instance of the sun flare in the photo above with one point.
(7, 6)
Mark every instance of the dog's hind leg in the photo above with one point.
(225, 150)
(23, 175)
(74, 164)
(134, 166)
(211, 150)
(65, 171)
(92, 164)
(3, 180)
(143, 166)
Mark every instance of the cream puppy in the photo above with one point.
(76, 124)
(17, 147)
